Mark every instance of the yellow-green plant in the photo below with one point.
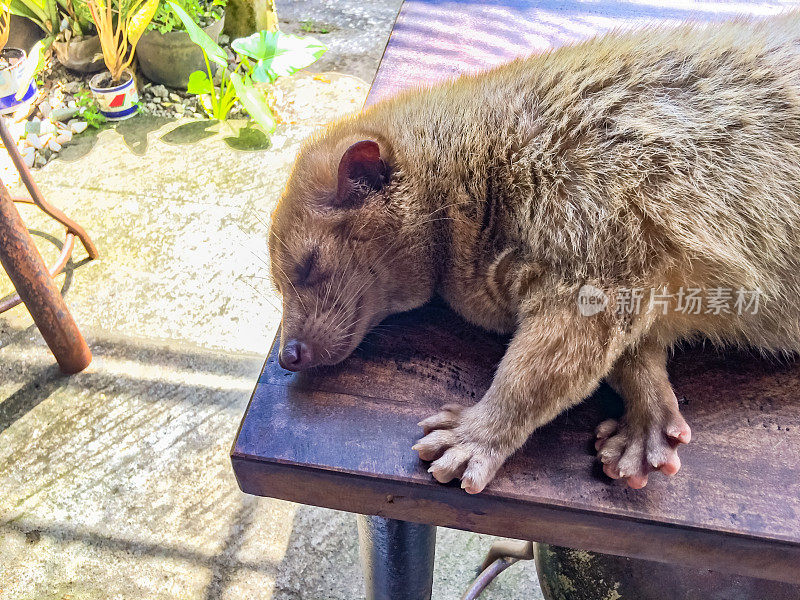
(48, 14)
(120, 24)
(42, 12)
(5, 22)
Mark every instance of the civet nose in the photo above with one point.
(295, 356)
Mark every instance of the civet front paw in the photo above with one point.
(453, 444)
(632, 451)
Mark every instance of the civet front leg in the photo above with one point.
(556, 358)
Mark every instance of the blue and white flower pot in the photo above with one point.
(16, 84)
(118, 102)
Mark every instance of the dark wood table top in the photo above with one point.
(341, 437)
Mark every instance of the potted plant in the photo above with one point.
(77, 45)
(262, 58)
(120, 24)
(68, 26)
(166, 53)
(16, 68)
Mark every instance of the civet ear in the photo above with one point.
(361, 170)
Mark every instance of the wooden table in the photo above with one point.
(341, 437)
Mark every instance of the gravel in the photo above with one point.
(354, 32)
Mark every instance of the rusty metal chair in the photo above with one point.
(32, 279)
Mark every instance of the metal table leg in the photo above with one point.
(397, 558)
(31, 278)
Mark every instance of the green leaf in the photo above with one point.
(225, 102)
(38, 50)
(259, 46)
(21, 10)
(36, 10)
(278, 53)
(254, 102)
(52, 14)
(263, 75)
(140, 20)
(214, 52)
(199, 83)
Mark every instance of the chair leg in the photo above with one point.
(31, 278)
(501, 555)
(397, 558)
(36, 196)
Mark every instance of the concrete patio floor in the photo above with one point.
(116, 483)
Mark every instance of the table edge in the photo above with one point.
(638, 538)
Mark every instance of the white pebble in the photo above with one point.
(34, 141)
(29, 156)
(46, 127)
(54, 146)
(79, 127)
(65, 137)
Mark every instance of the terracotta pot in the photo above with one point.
(82, 54)
(16, 83)
(170, 58)
(567, 574)
(117, 102)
